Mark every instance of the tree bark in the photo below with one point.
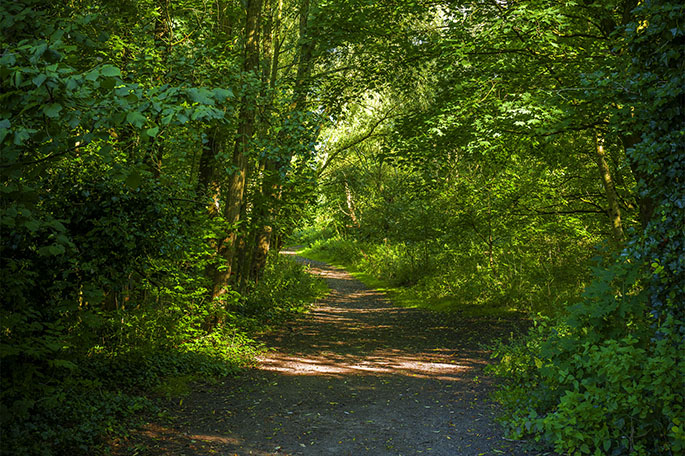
(260, 237)
(614, 210)
(306, 49)
(246, 128)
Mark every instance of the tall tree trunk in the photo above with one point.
(208, 184)
(276, 43)
(246, 128)
(306, 49)
(614, 210)
(269, 189)
(349, 199)
(264, 214)
(163, 36)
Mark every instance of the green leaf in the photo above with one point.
(201, 95)
(93, 75)
(134, 179)
(136, 119)
(52, 110)
(223, 94)
(110, 71)
(152, 131)
(64, 363)
(39, 80)
(32, 225)
(4, 129)
(108, 83)
(71, 83)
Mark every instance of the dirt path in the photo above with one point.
(356, 376)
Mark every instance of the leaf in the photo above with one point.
(223, 94)
(108, 83)
(152, 131)
(110, 71)
(201, 95)
(71, 83)
(136, 119)
(32, 225)
(93, 75)
(39, 80)
(52, 110)
(134, 179)
(64, 363)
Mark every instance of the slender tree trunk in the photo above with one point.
(163, 36)
(208, 186)
(246, 127)
(491, 243)
(270, 191)
(207, 182)
(270, 187)
(349, 198)
(306, 49)
(276, 43)
(614, 210)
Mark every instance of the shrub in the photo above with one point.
(606, 380)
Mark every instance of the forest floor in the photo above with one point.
(354, 376)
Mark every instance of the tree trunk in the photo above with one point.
(270, 187)
(246, 127)
(306, 50)
(614, 210)
(163, 36)
(349, 198)
(276, 43)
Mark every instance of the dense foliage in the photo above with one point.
(506, 155)
(110, 213)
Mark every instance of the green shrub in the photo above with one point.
(285, 288)
(606, 380)
(339, 249)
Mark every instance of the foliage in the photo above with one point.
(483, 186)
(154, 153)
(610, 382)
(285, 288)
(106, 237)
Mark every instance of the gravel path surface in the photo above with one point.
(355, 376)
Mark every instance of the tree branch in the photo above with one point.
(369, 134)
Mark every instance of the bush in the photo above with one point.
(607, 379)
(339, 249)
(285, 288)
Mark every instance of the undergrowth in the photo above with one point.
(91, 396)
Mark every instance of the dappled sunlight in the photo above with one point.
(164, 440)
(357, 332)
(379, 364)
(215, 438)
